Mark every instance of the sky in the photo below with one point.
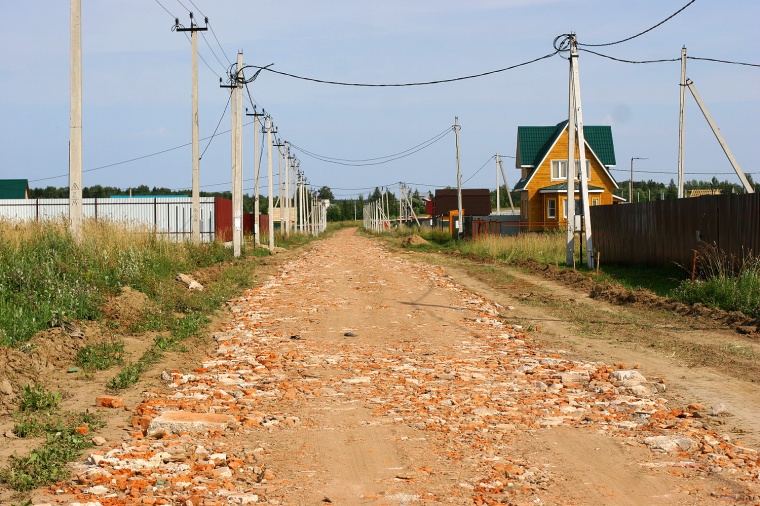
(137, 87)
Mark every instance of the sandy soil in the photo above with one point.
(357, 376)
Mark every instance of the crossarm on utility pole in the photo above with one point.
(719, 136)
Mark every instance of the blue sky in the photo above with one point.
(137, 86)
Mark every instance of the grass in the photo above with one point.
(724, 283)
(659, 280)
(66, 435)
(48, 276)
(100, 356)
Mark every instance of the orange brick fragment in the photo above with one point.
(109, 402)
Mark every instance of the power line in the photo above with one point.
(167, 10)
(481, 168)
(398, 85)
(325, 158)
(139, 157)
(419, 148)
(218, 43)
(641, 33)
(629, 61)
(217, 126)
(724, 61)
(183, 6)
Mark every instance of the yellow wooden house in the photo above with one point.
(542, 159)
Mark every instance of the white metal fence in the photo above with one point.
(168, 216)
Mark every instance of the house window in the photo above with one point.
(595, 202)
(524, 205)
(559, 169)
(578, 209)
(551, 208)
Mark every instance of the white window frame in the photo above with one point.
(595, 202)
(559, 169)
(551, 211)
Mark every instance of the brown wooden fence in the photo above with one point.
(666, 231)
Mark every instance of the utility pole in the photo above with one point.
(498, 199)
(630, 183)
(237, 180)
(237, 192)
(460, 224)
(723, 144)
(506, 186)
(268, 126)
(577, 116)
(288, 161)
(256, 115)
(278, 144)
(570, 202)
(681, 124)
(75, 122)
(400, 203)
(196, 194)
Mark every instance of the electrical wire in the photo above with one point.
(666, 172)
(641, 33)
(628, 61)
(183, 6)
(669, 59)
(167, 10)
(398, 85)
(419, 148)
(481, 168)
(212, 51)
(723, 61)
(217, 126)
(218, 43)
(324, 157)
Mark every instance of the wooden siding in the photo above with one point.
(664, 232)
(542, 178)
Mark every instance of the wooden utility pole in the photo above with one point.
(268, 127)
(75, 122)
(460, 223)
(681, 124)
(195, 225)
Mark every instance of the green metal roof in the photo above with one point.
(563, 187)
(13, 188)
(534, 142)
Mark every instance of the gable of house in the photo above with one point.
(543, 192)
(14, 188)
(534, 143)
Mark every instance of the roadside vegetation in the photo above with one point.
(722, 282)
(65, 435)
(48, 280)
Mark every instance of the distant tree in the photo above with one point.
(325, 193)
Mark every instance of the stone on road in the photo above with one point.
(355, 376)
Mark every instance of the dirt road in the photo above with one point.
(354, 376)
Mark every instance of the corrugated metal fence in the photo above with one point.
(666, 231)
(163, 216)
